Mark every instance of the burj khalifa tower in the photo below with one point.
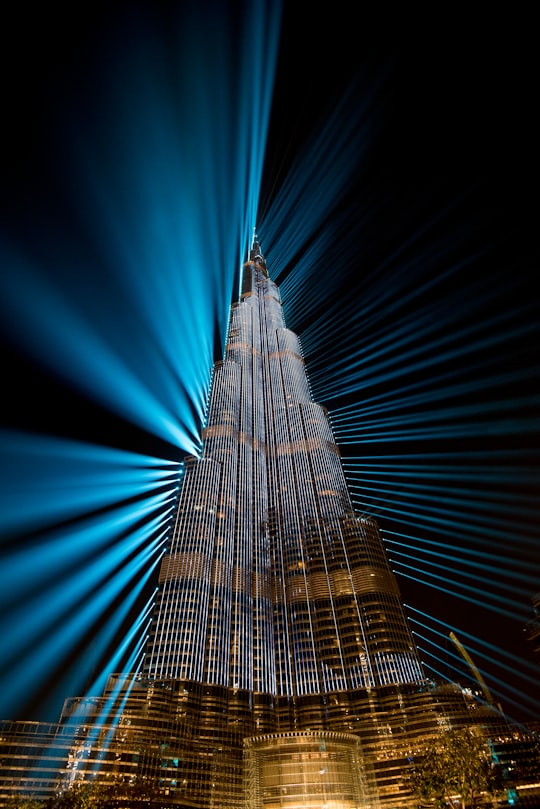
(272, 583)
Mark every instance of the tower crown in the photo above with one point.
(255, 253)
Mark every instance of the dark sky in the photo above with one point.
(454, 128)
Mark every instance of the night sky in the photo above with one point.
(411, 286)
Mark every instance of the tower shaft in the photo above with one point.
(272, 584)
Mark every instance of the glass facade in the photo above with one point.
(304, 770)
(272, 583)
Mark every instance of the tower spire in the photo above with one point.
(255, 254)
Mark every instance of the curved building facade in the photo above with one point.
(272, 583)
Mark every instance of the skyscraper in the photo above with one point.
(280, 667)
(272, 583)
